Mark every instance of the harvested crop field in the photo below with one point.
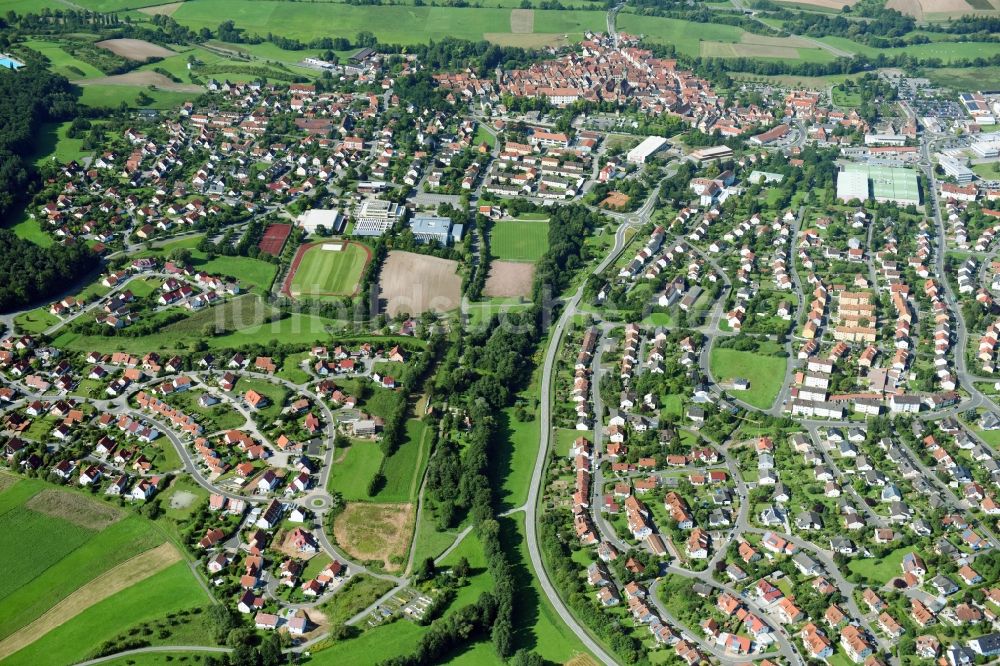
(142, 79)
(522, 21)
(162, 10)
(75, 508)
(535, 40)
(376, 532)
(135, 49)
(827, 4)
(756, 46)
(509, 278)
(111, 582)
(417, 283)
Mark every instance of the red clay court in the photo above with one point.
(274, 238)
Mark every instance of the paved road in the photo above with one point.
(538, 474)
(152, 650)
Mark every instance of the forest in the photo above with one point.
(29, 97)
(29, 273)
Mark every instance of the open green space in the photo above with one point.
(36, 321)
(112, 96)
(880, 570)
(765, 372)
(404, 469)
(350, 475)
(357, 594)
(61, 61)
(171, 590)
(514, 240)
(30, 229)
(399, 24)
(52, 143)
(324, 272)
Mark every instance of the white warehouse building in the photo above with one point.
(649, 147)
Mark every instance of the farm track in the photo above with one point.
(111, 582)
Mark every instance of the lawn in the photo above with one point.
(36, 321)
(62, 62)
(880, 570)
(327, 273)
(685, 36)
(404, 469)
(31, 229)
(52, 143)
(275, 393)
(351, 475)
(537, 626)
(173, 589)
(512, 240)
(766, 374)
(515, 461)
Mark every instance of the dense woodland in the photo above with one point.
(28, 98)
(29, 273)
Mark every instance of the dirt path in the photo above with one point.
(126, 574)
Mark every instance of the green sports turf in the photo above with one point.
(519, 241)
(328, 273)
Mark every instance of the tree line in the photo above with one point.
(29, 273)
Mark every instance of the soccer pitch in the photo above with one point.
(329, 269)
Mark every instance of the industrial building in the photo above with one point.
(427, 228)
(373, 217)
(649, 147)
(852, 185)
(891, 184)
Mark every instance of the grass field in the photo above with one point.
(766, 374)
(36, 321)
(52, 143)
(391, 24)
(325, 272)
(31, 229)
(405, 467)
(173, 589)
(111, 96)
(880, 570)
(513, 240)
(350, 476)
(358, 593)
(62, 62)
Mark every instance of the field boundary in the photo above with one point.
(111, 582)
(286, 285)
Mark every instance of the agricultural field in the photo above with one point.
(63, 542)
(765, 372)
(519, 240)
(509, 279)
(320, 271)
(400, 24)
(171, 590)
(416, 283)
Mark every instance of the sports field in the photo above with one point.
(331, 268)
(516, 240)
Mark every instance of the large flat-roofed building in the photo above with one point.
(314, 218)
(713, 153)
(988, 147)
(852, 185)
(373, 217)
(649, 147)
(952, 167)
(428, 228)
(892, 184)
